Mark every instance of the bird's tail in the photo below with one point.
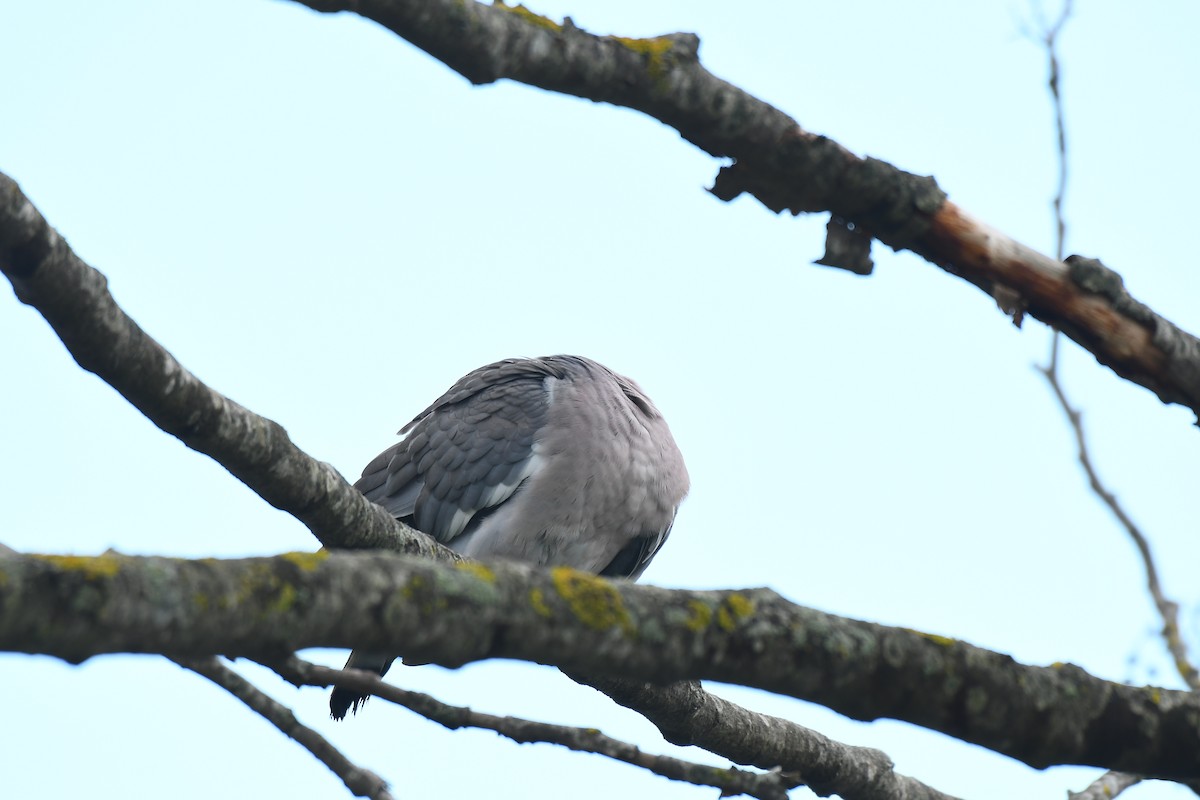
(344, 700)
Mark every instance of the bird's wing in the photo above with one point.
(467, 453)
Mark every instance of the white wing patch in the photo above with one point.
(502, 491)
(458, 522)
(493, 497)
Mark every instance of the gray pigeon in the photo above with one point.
(552, 461)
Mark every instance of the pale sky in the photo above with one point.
(329, 226)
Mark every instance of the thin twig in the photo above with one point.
(1167, 609)
(1111, 783)
(688, 715)
(362, 782)
(731, 781)
(1050, 40)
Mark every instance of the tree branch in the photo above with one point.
(74, 607)
(786, 167)
(104, 340)
(686, 714)
(362, 782)
(1106, 787)
(1111, 783)
(1049, 36)
(731, 782)
(16, 250)
(1168, 610)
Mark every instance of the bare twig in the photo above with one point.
(362, 782)
(1048, 35)
(686, 714)
(731, 781)
(1112, 783)
(825, 766)
(1050, 41)
(1167, 609)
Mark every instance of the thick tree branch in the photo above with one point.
(731, 782)
(103, 339)
(74, 298)
(788, 168)
(74, 607)
(362, 782)
(730, 183)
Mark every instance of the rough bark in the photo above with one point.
(731, 782)
(686, 714)
(76, 607)
(790, 169)
(103, 339)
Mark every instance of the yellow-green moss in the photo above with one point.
(944, 641)
(413, 585)
(593, 600)
(306, 561)
(423, 595)
(261, 586)
(734, 608)
(699, 616)
(655, 50)
(478, 570)
(538, 601)
(722, 774)
(92, 567)
(529, 16)
(285, 599)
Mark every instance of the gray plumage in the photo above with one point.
(551, 461)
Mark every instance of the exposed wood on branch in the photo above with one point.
(790, 169)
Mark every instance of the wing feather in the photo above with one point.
(468, 451)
